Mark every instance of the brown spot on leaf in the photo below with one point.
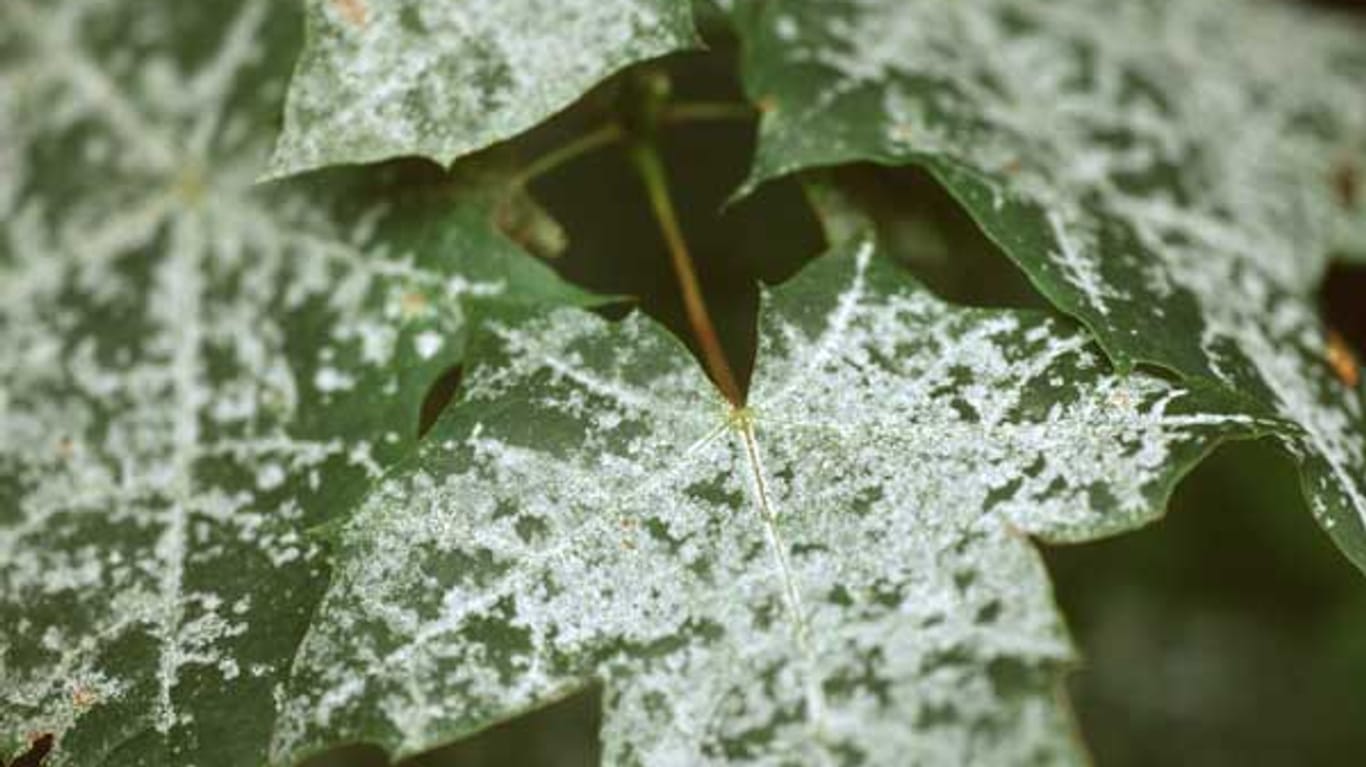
(83, 697)
(353, 11)
(413, 304)
(767, 104)
(1342, 361)
(1015, 532)
(66, 448)
(1120, 399)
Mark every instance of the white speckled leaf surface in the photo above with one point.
(193, 370)
(1174, 173)
(383, 78)
(839, 574)
(196, 372)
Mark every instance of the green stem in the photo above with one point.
(610, 134)
(589, 142)
(651, 169)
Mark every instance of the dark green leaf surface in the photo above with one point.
(383, 78)
(837, 574)
(1175, 174)
(195, 370)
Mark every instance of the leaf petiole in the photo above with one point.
(610, 134)
(648, 164)
(588, 143)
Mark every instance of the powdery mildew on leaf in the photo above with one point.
(383, 78)
(1172, 172)
(838, 574)
(193, 370)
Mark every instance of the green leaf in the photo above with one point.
(195, 370)
(383, 78)
(839, 570)
(1173, 174)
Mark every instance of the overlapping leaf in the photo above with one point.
(383, 78)
(194, 370)
(837, 574)
(1174, 173)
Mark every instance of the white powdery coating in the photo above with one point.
(1178, 152)
(384, 78)
(835, 575)
(152, 469)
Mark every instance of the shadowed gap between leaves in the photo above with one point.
(1343, 298)
(36, 755)
(608, 241)
(923, 228)
(439, 395)
(614, 242)
(614, 246)
(1358, 6)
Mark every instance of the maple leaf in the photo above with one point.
(838, 571)
(194, 369)
(1169, 173)
(382, 78)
